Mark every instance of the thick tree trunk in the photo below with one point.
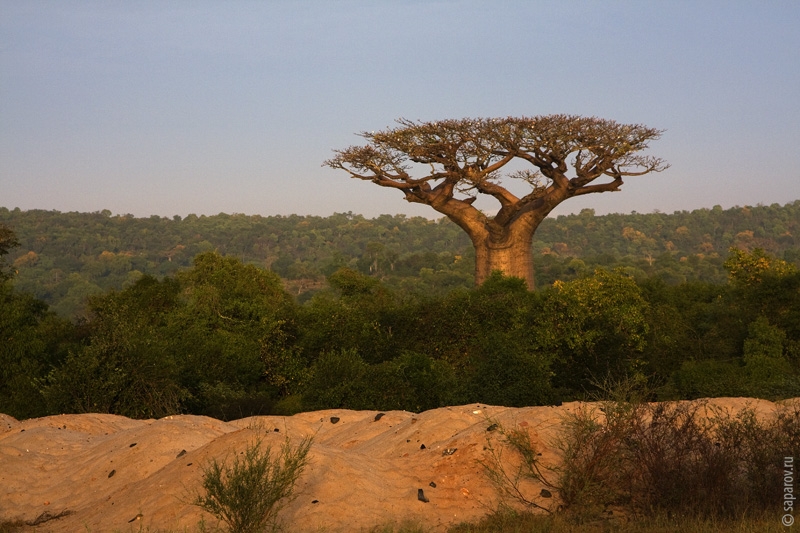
(509, 253)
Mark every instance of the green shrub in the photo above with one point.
(248, 493)
(336, 381)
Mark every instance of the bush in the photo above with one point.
(412, 382)
(664, 459)
(248, 494)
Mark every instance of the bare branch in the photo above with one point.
(564, 154)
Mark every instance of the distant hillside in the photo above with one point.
(64, 257)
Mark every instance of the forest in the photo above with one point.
(65, 257)
(233, 315)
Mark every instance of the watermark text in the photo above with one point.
(788, 492)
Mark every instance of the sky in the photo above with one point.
(173, 107)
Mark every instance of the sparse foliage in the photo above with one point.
(447, 164)
(645, 460)
(248, 492)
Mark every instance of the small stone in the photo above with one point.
(421, 496)
(379, 416)
(181, 454)
(546, 493)
(432, 484)
(111, 474)
(492, 427)
(449, 451)
(132, 445)
(422, 446)
(314, 501)
(277, 430)
(335, 419)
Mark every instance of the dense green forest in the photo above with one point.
(65, 257)
(392, 321)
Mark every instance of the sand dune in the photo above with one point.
(98, 473)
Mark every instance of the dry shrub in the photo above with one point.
(644, 460)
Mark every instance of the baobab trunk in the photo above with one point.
(510, 255)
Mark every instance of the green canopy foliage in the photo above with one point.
(224, 337)
(64, 257)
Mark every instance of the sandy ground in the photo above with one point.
(104, 473)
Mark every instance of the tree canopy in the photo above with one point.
(447, 164)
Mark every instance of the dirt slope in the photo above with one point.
(100, 472)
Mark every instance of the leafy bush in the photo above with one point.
(506, 370)
(336, 380)
(411, 382)
(248, 493)
(762, 372)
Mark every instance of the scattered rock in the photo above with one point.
(132, 445)
(335, 419)
(181, 454)
(432, 484)
(379, 416)
(422, 447)
(135, 518)
(545, 493)
(449, 451)
(492, 427)
(111, 474)
(421, 496)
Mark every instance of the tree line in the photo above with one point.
(65, 257)
(225, 338)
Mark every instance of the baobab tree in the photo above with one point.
(446, 164)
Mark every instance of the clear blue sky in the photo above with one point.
(176, 107)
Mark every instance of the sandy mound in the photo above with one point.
(100, 472)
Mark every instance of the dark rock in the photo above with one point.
(181, 454)
(546, 493)
(335, 419)
(111, 474)
(379, 416)
(432, 484)
(421, 496)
